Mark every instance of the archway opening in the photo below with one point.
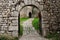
(30, 14)
(35, 13)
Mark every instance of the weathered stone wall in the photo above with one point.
(8, 18)
(9, 15)
(52, 15)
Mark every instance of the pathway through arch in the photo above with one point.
(29, 33)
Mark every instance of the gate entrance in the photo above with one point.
(30, 14)
(33, 19)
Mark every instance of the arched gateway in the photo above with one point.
(39, 14)
(39, 7)
(10, 14)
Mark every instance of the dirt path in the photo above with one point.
(29, 33)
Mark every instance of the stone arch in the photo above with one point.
(40, 16)
(30, 5)
(42, 12)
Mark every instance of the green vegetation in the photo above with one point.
(7, 37)
(36, 23)
(21, 28)
(23, 19)
(53, 36)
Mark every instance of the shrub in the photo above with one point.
(35, 23)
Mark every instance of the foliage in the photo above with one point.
(36, 23)
(54, 36)
(23, 19)
(7, 37)
(21, 28)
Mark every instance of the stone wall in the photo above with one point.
(52, 15)
(8, 18)
(9, 15)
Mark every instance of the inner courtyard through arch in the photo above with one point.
(30, 25)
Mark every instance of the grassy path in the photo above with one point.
(21, 27)
(29, 32)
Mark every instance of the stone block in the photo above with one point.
(45, 22)
(0, 15)
(1, 32)
(9, 33)
(13, 9)
(2, 27)
(15, 21)
(0, 4)
(15, 33)
(13, 28)
(0, 19)
(13, 18)
(14, 24)
(14, 14)
(41, 7)
(6, 28)
(46, 25)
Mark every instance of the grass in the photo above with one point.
(23, 19)
(21, 28)
(7, 37)
(36, 23)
